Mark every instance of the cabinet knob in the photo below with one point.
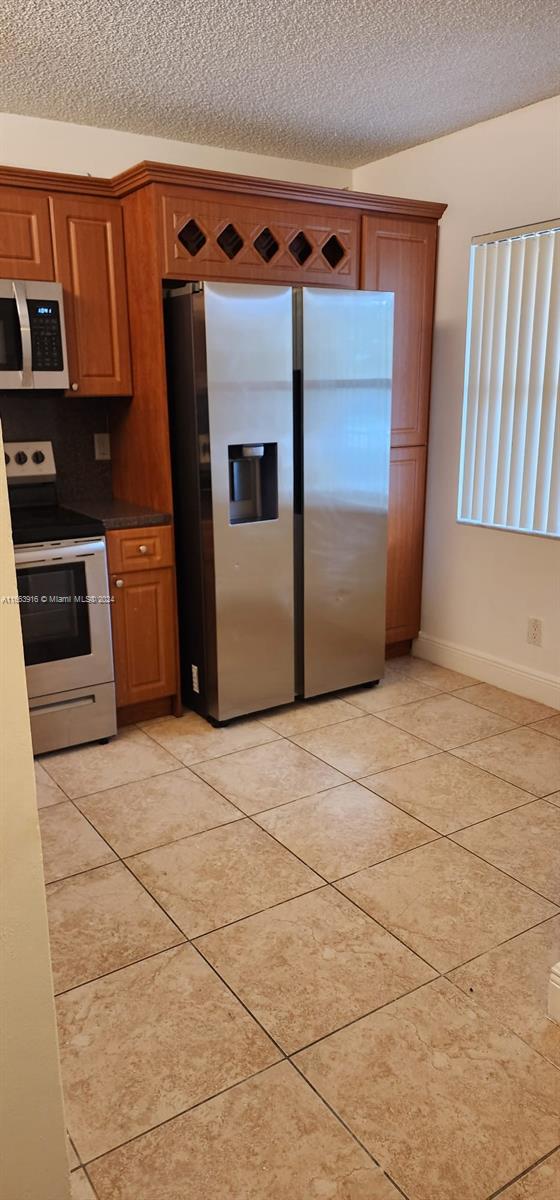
(119, 582)
(74, 387)
(143, 549)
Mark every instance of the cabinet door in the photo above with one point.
(399, 256)
(144, 646)
(25, 235)
(407, 485)
(90, 264)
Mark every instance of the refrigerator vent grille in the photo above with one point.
(300, 248)
(333, 251)
(266, 245)
(230, 241)
(192, 237)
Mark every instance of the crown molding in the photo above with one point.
(52, 181)
(146, 173)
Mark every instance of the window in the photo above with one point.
(509, 473)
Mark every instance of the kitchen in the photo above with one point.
(279, 759)
(112, 381)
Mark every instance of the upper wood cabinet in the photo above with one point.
(399, 256)
(249, 238)
(407, 488)
(90, 264)
(25, 235)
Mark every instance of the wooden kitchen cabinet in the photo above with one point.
(247, 239)
(143, 613)
(25, 234)
(90, 263)
(399, 255)
(407, 488)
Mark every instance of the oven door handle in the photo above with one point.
(57, 705)
(34, 558)
(20, 297)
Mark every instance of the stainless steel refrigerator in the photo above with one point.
(280, 404)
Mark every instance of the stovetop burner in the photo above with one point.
(36, 514)
(51, 523)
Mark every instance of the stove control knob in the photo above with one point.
(38, 456)
(20, 458)
(6, 458)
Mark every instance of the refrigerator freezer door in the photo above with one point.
(346, 359)
(249, 359)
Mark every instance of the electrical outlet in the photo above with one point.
(102, 446)
(534, 631)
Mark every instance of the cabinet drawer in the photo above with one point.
(140, 549)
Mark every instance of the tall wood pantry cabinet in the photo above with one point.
(400, 256)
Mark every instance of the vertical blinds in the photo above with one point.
(510, 446)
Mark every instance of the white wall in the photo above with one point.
(32, 1130)
(43, 145)
(480, 585)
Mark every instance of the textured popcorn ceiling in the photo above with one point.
(330, 81)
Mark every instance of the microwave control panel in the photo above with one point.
(46, 342)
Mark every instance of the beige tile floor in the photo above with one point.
(305, 956)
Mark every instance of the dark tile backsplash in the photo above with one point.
(70, 426)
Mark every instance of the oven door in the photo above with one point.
(65, 615)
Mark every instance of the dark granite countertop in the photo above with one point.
(119, 514)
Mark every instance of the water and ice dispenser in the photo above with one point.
(253, 482)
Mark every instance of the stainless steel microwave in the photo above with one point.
(32, 335)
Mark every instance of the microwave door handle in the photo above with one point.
(25, 331)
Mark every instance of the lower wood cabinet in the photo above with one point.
(407, 489)
(143, 613)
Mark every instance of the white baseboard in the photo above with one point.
(536, 685)
(554, 993)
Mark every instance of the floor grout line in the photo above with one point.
(423, 821)
(123, 967)
(325, 1037)
(483, 953)
(486, 1014)
(335, 1113)
(182, 1113)
(508, 875)
(94, 1190)
(523, 1174)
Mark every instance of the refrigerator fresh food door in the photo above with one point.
(249, 362)
(345, 355)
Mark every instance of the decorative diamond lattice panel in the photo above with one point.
(300, 247)
(333, 251)
(266, 245)
(230, 241)
(230, 237)
(192, 237)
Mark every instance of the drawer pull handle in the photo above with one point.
(119, 582)
(143, 549)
